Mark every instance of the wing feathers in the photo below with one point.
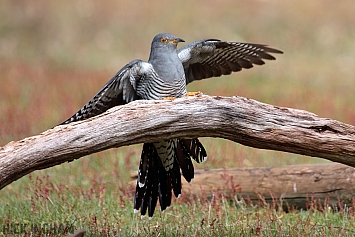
(213, 58)
(120, 90)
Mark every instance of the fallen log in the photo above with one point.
(292, 186)
(239, 119)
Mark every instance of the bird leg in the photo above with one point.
(169, 98)
(193, 93)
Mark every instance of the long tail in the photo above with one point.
(156, 180)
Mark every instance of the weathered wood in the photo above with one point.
(299, 186)
(239, 119)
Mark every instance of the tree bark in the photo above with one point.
(298, 186)
(239, 119)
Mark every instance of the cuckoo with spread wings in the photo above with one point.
(166, 75)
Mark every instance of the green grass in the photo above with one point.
(54, 56)
(104, 208)
(101, 203)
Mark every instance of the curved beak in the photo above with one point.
(180, 40)
(176, 41)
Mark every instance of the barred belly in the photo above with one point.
(155, 88)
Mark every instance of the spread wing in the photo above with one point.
(121, 89)
(213, 58)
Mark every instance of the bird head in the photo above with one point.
(166, 41)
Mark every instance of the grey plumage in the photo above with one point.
(166, 74)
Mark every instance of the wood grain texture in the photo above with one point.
(298, 186)
(239, 119)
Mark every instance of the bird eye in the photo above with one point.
(163, 40)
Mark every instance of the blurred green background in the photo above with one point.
(55, 55)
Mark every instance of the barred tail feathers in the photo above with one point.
(154, 182)
(185, 162)
(194, 149)
(159, 172)
(145, 170)
(151, 195)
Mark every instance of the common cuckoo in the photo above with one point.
(166, 74)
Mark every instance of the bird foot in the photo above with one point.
(169, 98)
(194, 93)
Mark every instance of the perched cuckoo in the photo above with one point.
(166, 74)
